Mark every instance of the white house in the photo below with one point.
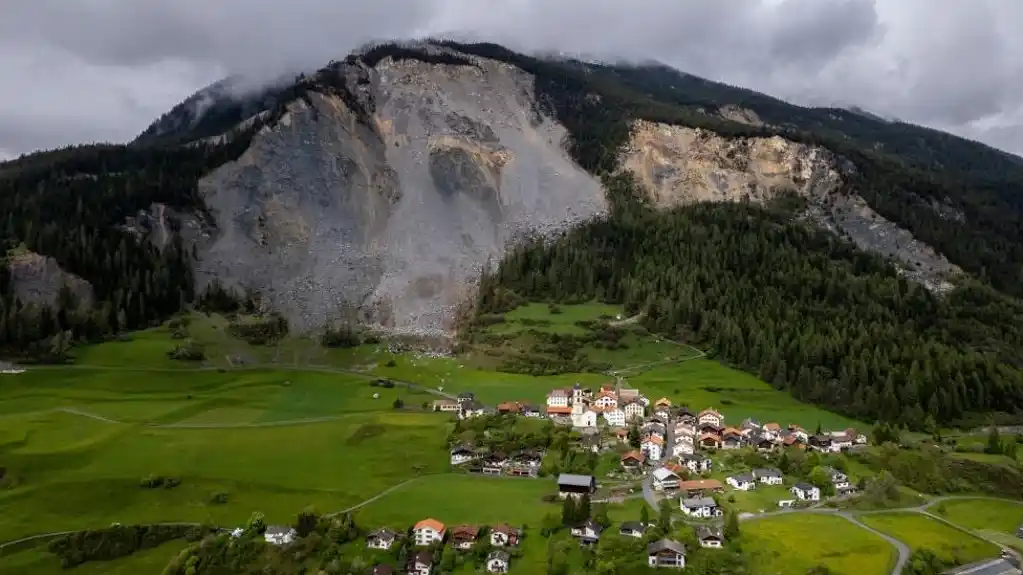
(703, 507)
(711, 417)
(665, 478)
(237, 532)
(497, 562)
(768, 476)
(279, 535)
(558, 398)
(666, 553)
(683, 429)
(634, 410)
(806, 492)
(472, 409)
(838, 479)
(583, 416)
(710, 536)
(462, 454)
(615, 417)
(695, 462)
(587, 532)
(742, 482)
(632, 529)
(606, 399)
(683, 447)
(653, 447)
(428, 531)
(420, 564)
(381, 539)
(504, 536)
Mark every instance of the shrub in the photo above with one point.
(152, 481)
(188, 351)
(391, 363)
(219, 498)
(171, 482)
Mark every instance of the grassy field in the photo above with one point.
(763, 498)
(796, 543)
(921, 532)
(38, 561)
(997, 520)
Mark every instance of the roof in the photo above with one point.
(708, 531)
(744, 478)
(278, 530)
(663, 401)
(767, 472)
(470, 531)
(653, 439)
(591, 525)
(634, 455)
(423, 557)
(499, 555)
(666, 545)
(558, 393)
(663, 473)
(467, 395)
(560, 410)
(708, 435)
(692, 457)
(576, 480)
(632, 526)
(701, 484)
(431, 524)
(699, 502)
(772, 426)
(804, 487)
(607, 393)
(458, 448)
(505, 528)
(509, 406)
(732, 431)
(710, 411)
(382, 533)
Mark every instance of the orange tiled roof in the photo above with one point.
(663, 401)
(711, 411)
(772, 426)
(559, 410)
(430, 523)
(701, 484)
(634, 455)
(709, 435)
(469, 531)
(653, 439)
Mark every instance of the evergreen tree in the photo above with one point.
(994, 441)
(569, 514)
(731, 530)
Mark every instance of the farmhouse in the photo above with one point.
(420, 563)
(666, 553)
(381, 539)
(731, 441)
(820, 443)
(712, 417)
(466, 396)
(806, 492)
(653, 428)
(588, 532)
(606, 399)
(703, 507)
(665, 478)
(504, 536)
(428, 531)
(632, 529)
(576, 485)
(472, 409)
(685, 429)
(509, 407)
(462, 454)
(447, 405)
(464, 536)
(633, 460)
(742, 482)
(279, 535)
(710, 441)
(768, 476)
(710, 536)
(653, 447)
(687, 417)
(701, 486)
(530, 410)
(497, 562)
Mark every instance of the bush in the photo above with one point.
(188, 351)
(171, 482)
(391, 363)
(116, 541)
(219, 498)
(152, 481)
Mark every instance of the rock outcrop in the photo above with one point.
(38, 279)
(394, 208)
(680, 165)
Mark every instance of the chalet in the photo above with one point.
(662, 402)
(606, 399)
(420, 563)
(498, 561)
(512, 407)
(633, 460)
(695, 487)
(559, 398)
(653, 447)
(528, 458)
(683, 447)
(462, 454)
(742, 482)
(428, 531)
(793, 441)
(710, 536)
(838, 479)
(621, 434)
(686, 416)
(633, 410)
(279, 534)
(588, 532)
(463, 537)
(709, 428)
(702, 507)
(666, 553)
(712, 417)
(530, 410)
(845, 490)
(799, 432)
(381, 539)
(772, 429)
(663, 412)
(614, 417)
(731, 441)
(654, 428)
(495, 459)
(446, 405)
(466, 396)
(632, 529)
(842, 442)
(751, 424)
(472, 409)
(556, 410)
(806, 492)
(684, 429)
(695, 462)
(665, 479)
(570, 484)
(504, 536)
(762, 443)
(768, 476)
(710, 441)
(820, 443)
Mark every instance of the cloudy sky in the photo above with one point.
(76, 71)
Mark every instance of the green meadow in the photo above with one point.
(921, 532)
(797, 543)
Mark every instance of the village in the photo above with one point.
(667, 454)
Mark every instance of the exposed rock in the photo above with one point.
(395, 213)
(38, 279)
(741, 115)
(680, 165)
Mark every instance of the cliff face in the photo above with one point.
(393, 214)
(680, 165)
(38, 279)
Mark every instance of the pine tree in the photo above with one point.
(568, 512)
(731, 530)
(994, 441)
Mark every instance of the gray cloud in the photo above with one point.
(101, 70)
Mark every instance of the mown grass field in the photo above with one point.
(995, 519)
(921, 532)
(790, 544)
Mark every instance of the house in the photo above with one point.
(582, 416)
(731, 441)
(695, 462)
(466, 396)
(768, 476)
(806, 492)
(686, 416)
(751, 424)
(762, 443)
(447, 405)
(614, 417)
(663, 412)
(530, 410)
(428, 531)
(587, 532)
(554, 410)
(463, 537)
(606, 399)
(497, 562)
(576, 485)
(742, 482)
(842, 442)
(820, 443)
(634, 410)
(710, 441)
(845, 490)
(683, 447)
(632, 529)
(654, 427)
(662, 402)
(709, 428)
(710, 536)
(504, 536)
(559, 398)
(666, 553)
(685, 429)
(513, 407)
(838, 479)
(793, 440)
(712, 417)
(665, 478)
(702, 507)
(462, 454)
(381, 539)
(633, 460)
(472, 409)
(653, 447)
(420, 563)
(799, 432)
(621, 434)
(772, 429)
(279, 534)
(383, 569)
(701, 486)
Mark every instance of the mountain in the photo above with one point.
(384, 187)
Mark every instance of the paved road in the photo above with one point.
(901, 547)
(648, 492)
